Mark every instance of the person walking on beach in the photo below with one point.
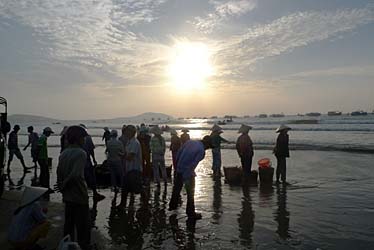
(281, 151)
(175, 145)
(115, 153)
(185, 136)
(133, 174)
(43, 157)
(158, 148)
(63, 140)
(91, 163)
(72, 185)
(216, 150)
(244, 147)
(106, 135)
(29, 222)
(33, 142)
(189, 156)
(145, 139)
(14, 149)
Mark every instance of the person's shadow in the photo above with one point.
(246, 218)
(282, 215)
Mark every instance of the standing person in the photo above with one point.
(63, 140)
(189, 156)
(158, 148)
(175, 145)
(43, 157)
(216, 150)
(282, 152)
(106, 135)
(89, 170)
(71, 183)
(33, 141)
(133, 173)
(185, 136)
(244, 147)
(29, 222)
(115, 153)
(14, 149)
(145, 139)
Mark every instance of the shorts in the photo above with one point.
(34, 155)
(16, 152)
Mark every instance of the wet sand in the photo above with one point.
(329, 205)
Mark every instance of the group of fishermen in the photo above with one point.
(129, 158)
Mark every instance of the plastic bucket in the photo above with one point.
(264, 163)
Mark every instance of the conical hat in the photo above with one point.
(156, 130)
(244, 128)
(282, 127)
(31, 194)
(216, 128)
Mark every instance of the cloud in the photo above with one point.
(88, 32)
(236, 54)
(222, 12)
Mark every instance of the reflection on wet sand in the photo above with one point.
(217, 200)
(246, 218)
(282, 215)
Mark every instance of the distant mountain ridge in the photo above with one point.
(148, 116)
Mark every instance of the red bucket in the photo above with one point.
(264, 163)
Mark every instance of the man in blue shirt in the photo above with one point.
(189, 156)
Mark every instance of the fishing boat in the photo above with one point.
(262, 115)
(221, 123)
(277, 115)
(334, 113)
(359, 113)
(313, 114)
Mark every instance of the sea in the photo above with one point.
(329, 203)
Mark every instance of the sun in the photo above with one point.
(189, 66)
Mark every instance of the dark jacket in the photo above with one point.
(281, 149)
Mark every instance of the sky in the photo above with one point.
(84, 59)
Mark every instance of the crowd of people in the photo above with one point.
(133, 158)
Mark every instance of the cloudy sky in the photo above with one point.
(108, 58)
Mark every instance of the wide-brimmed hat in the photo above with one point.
(48, 130)
(244, 128)
(216, 128)
(185, 130)
(32, 194)
(156, 130)
(173, 132)
(282, 127)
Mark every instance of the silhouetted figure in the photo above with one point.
(145, 139)
(115, 152)
(185, 136)
(132, 182)
(106, 135)
(14, 149)
(216, 150)
(72, 185)
(33, 142)
(43, 157)
(189, 156)
(175, 145)
(158, 148)
(63, 140)
(244, 147)
(282, 152)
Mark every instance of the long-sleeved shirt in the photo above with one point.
(175, 143)
(281, 149)
(133, 148)
(244, 145)
(189, 156)
(216, 140)
(70, 175)
(115, 150)
(158, 145)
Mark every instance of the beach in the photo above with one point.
(327, 206)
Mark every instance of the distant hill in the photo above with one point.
(145, 117)
(32, 119)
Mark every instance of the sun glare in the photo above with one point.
(189, 66)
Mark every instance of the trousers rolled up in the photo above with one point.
(190, 189)
(158, 163)
(281, 168)
(217, 162)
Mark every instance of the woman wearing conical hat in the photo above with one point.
(244, 147)
(282, 152)
(216, 150)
